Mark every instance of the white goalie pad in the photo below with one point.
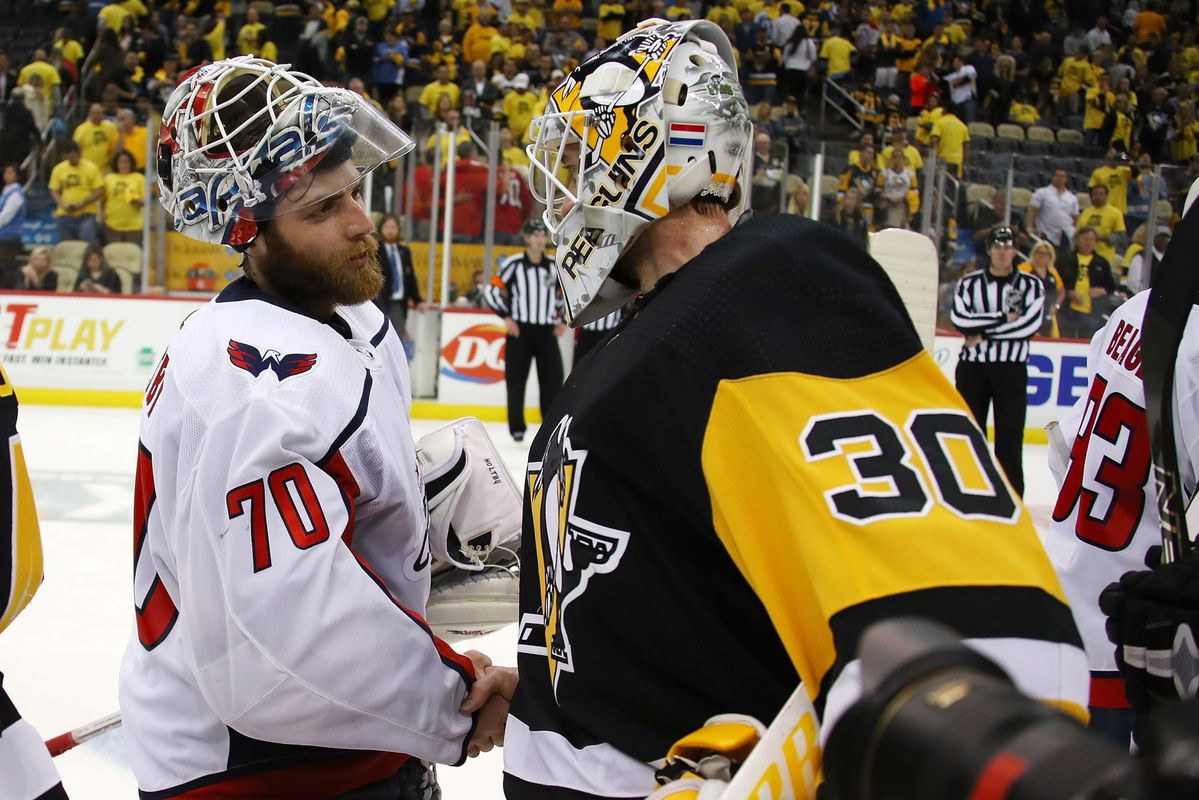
(910, 261)
(474, 504)
(463, 605)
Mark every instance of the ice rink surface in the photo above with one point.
(61, 657)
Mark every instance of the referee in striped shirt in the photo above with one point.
(998, 310)
(526, 294)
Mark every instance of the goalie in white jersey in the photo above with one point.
(281, 550)
(1105, 518)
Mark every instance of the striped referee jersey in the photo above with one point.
(526, 292)
(981, 303)
(608, 322)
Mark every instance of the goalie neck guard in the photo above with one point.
(633, 133)
(239, 137)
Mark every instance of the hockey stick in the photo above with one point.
(1170, 302)
(910, 261)
(64, 742)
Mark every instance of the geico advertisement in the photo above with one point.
(471, 362)
(68, 342)
(1057, 375)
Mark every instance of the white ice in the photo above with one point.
(60, 659)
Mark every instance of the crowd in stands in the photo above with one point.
(915, 77)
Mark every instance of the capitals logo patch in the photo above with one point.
(247, 357)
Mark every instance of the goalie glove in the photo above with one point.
(700, 765)
(474, 531)
(474, 505)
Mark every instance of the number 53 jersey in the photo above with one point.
(757, 466)
(1106, 514)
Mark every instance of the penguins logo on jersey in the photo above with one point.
(571, 551)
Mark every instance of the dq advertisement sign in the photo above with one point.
(471, 362)
(69, 348)
(1057, 375)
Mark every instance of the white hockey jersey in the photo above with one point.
(281, 562)
(1106, 513)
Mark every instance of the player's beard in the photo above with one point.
(309, 280)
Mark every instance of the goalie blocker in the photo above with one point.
(474, 531)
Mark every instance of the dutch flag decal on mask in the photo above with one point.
(687, 134)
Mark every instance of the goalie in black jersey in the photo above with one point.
(758, 463)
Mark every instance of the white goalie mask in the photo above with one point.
(633, 133)
(241, 135)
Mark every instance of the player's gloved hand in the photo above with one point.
(700, 765)
(1153, 619)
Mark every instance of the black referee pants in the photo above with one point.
(535, 342)
(1004, 384)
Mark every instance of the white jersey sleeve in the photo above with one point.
(1106, 516)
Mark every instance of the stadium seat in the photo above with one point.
(130, 281)
(124, 255)
(1021, 197)
(977, 193)
(1165, 211)
(1069, 142)
(1036, 148)
(1007, 130)
(912, 124)
(981, 130)
(66, 278)
(68, 253)
(1084, 200)
(829, 185)
(1039, 133)
(1001, 145)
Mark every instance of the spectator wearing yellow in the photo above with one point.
(1022, 112)
(71, 50)
(1119, 123)
(866, 139)
(519, 106)
(131, 137)
(112, 16)
(377, 10)
(215, 36)
(1100, 100)
(251, 35)
(1115, 177)
(724, 14)
(1185, 133)
(951, 139)
(97, 137)
(899, 141)
(447, 141)
(611, 19)
(124, 197)
(1075, 73)
(837, 52)
(572, 9)
(512, 153)
(476, 44)
(677, 10)
(1041, 263)
(49, 75)
(529, 16)
(928, 119)
(1108, 223)
(76, 185)
(441, 87)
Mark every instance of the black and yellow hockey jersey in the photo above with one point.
(759, 464)
(26, 771)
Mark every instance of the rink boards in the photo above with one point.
(89, 350)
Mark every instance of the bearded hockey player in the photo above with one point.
(759, 463)
(281, 552)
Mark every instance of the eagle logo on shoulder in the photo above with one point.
(248, 357)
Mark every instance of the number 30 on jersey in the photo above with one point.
(937, 459)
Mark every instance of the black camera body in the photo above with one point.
(939, 721)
